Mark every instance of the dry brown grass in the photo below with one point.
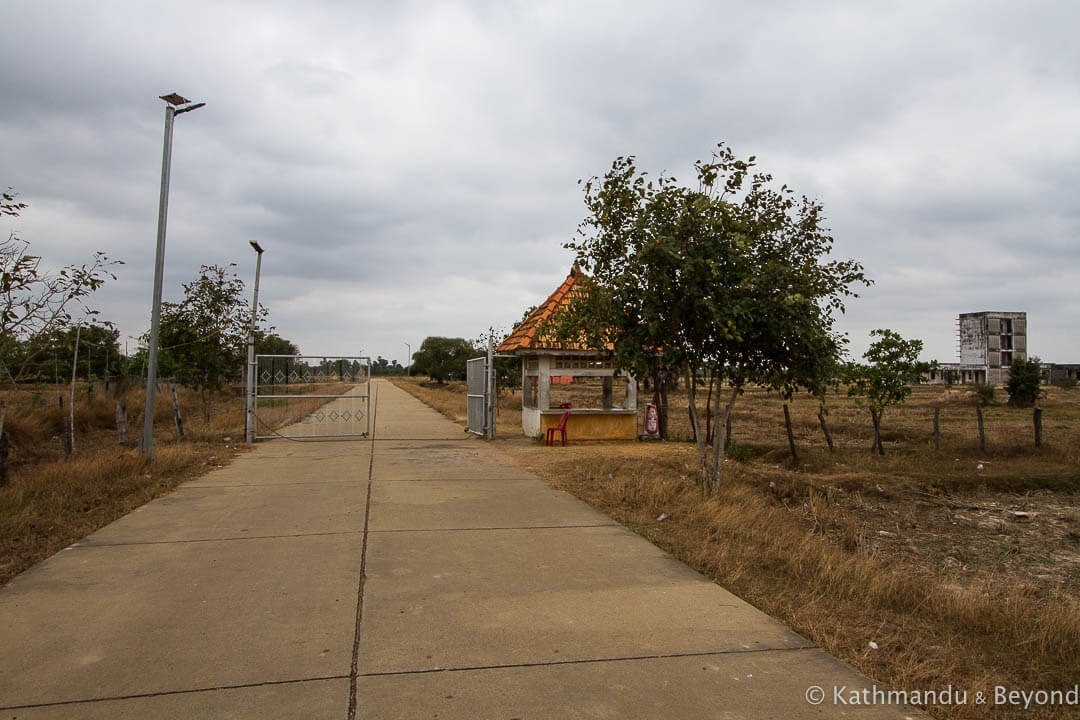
(852, 548)
(50, 501)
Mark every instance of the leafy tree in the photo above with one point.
(1025, 382)
(382, 366)
(35, 303)
(442, 358)
(9, 205)
(728, 279)
(507, 368)
(203, 338)
(99, 353)
(893, 366)
(273, 344)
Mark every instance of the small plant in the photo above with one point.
(1025, 382)
(739, 453)
(984, 393)
(893, 367)
(1069, 383)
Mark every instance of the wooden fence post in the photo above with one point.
(176, 412)
(69, 441)
(982, 434)
(121, 423)
(790, 435)
(937, 428)
(1036, 417)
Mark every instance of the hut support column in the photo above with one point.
(631, 393)
(543, 383)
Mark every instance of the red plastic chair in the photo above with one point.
(560, 428)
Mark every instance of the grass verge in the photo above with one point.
(50, 501)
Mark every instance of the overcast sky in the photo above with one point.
(411, 168)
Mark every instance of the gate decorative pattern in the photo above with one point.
(312, 396)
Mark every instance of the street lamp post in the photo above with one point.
(249, 418)
(172, 109)
(408, 361)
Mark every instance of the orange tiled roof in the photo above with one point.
(525, 337)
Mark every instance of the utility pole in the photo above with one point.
(172, 109)
(249, 417)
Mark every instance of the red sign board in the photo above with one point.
(652, 421)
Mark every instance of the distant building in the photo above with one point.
(1059, 374)
(987, 343)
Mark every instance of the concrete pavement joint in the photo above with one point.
(586, 661)
(274, 485)
(162, 693)
(523, 527)
(427, 439)
(354, 669)
(81, 545)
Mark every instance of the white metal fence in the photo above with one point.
(312, 396)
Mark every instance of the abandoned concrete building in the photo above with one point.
(987, 343)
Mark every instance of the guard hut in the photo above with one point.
(552, 372)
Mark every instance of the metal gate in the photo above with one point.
(480, 379)
(312, 396)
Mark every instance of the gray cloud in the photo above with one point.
(411, 168)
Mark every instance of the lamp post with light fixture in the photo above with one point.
(172, 109)
(249, 417)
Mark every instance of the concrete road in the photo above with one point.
(416, 575)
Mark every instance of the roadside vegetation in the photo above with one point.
(939, 547)
(51, 500)
(72, 396)
(962, 565)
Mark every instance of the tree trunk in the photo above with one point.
(3, 409)
(1036, 417)
(982, 434)
(177, 420)
(790, 436)
(3, 457)
(695, 424)
(70, 445)
(825, 430)
(876, 418)
(709, 414)
(660, 397)
(654, 371)
(69, 442)
(937, 428)
(720, 440)
(663, 406)
(606, 393)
